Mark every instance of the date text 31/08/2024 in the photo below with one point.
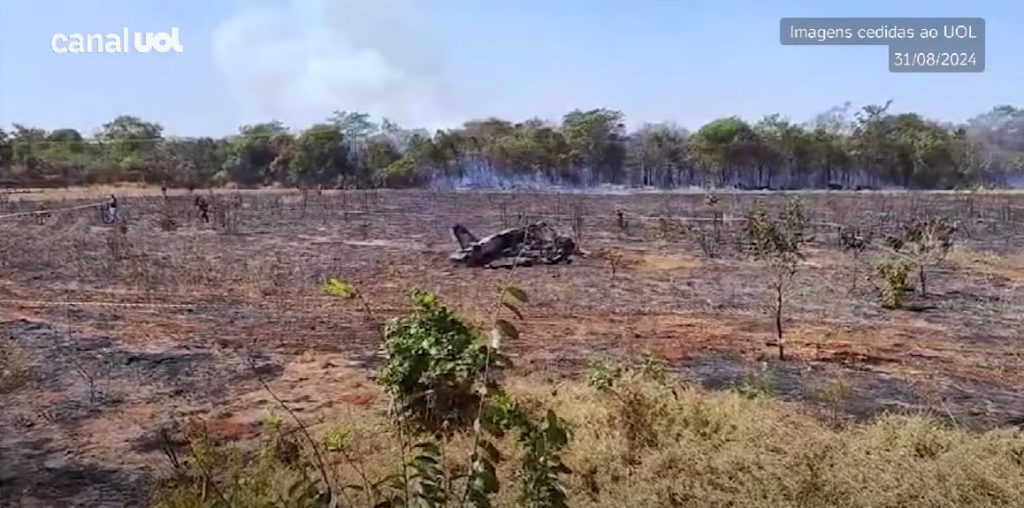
(924, 59)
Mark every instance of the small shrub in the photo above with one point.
(118, 244)
(894, 282)
(708, 236)
(757, 383)
(603, 373)
(636, 409)
(926, 243)
(543, 439)
(778, 243)
(835, 394)
(435, 365)
(667, 228)
(615, 261)
(854, 242)
(14, 370)
(226, 220)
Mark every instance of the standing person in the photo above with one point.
(204, 208)
(112, 210)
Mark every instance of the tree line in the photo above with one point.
(844, 147)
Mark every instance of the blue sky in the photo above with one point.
(438, 62)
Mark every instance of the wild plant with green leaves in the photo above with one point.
(925, 243)
(778, 244)
(442, 379)
(438, 368)
(543, 438)
(894, 287)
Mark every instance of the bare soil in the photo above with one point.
(122, 335)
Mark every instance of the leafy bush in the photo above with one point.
(437, 366)
(894, 282)
(440, 377)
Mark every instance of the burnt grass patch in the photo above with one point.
(188, 319)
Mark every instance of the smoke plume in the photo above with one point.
(303, 59)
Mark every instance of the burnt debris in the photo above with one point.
(535, 243)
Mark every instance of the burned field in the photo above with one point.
(114, 332)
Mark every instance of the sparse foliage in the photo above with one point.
(14, 370)
(666, 228)
(636, 409)
(578, 214)
(853, 241)
(708, 235)
(894, 282)
(926, 243)
(757, 382)
(777, 243)
(118, 244)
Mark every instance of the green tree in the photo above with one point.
(126, 138)
(726, 148)
(259, 153)
(321, 155)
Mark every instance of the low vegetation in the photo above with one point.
(14, 373)
(631, 435)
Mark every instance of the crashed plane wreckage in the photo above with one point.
(534, 243)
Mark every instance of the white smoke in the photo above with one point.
(302, 60)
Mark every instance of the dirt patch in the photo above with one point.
(653, 261)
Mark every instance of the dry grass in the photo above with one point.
(700, 449)
(1008, 266)
(14, 371)
(725, 450)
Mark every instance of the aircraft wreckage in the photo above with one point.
(535, 243)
